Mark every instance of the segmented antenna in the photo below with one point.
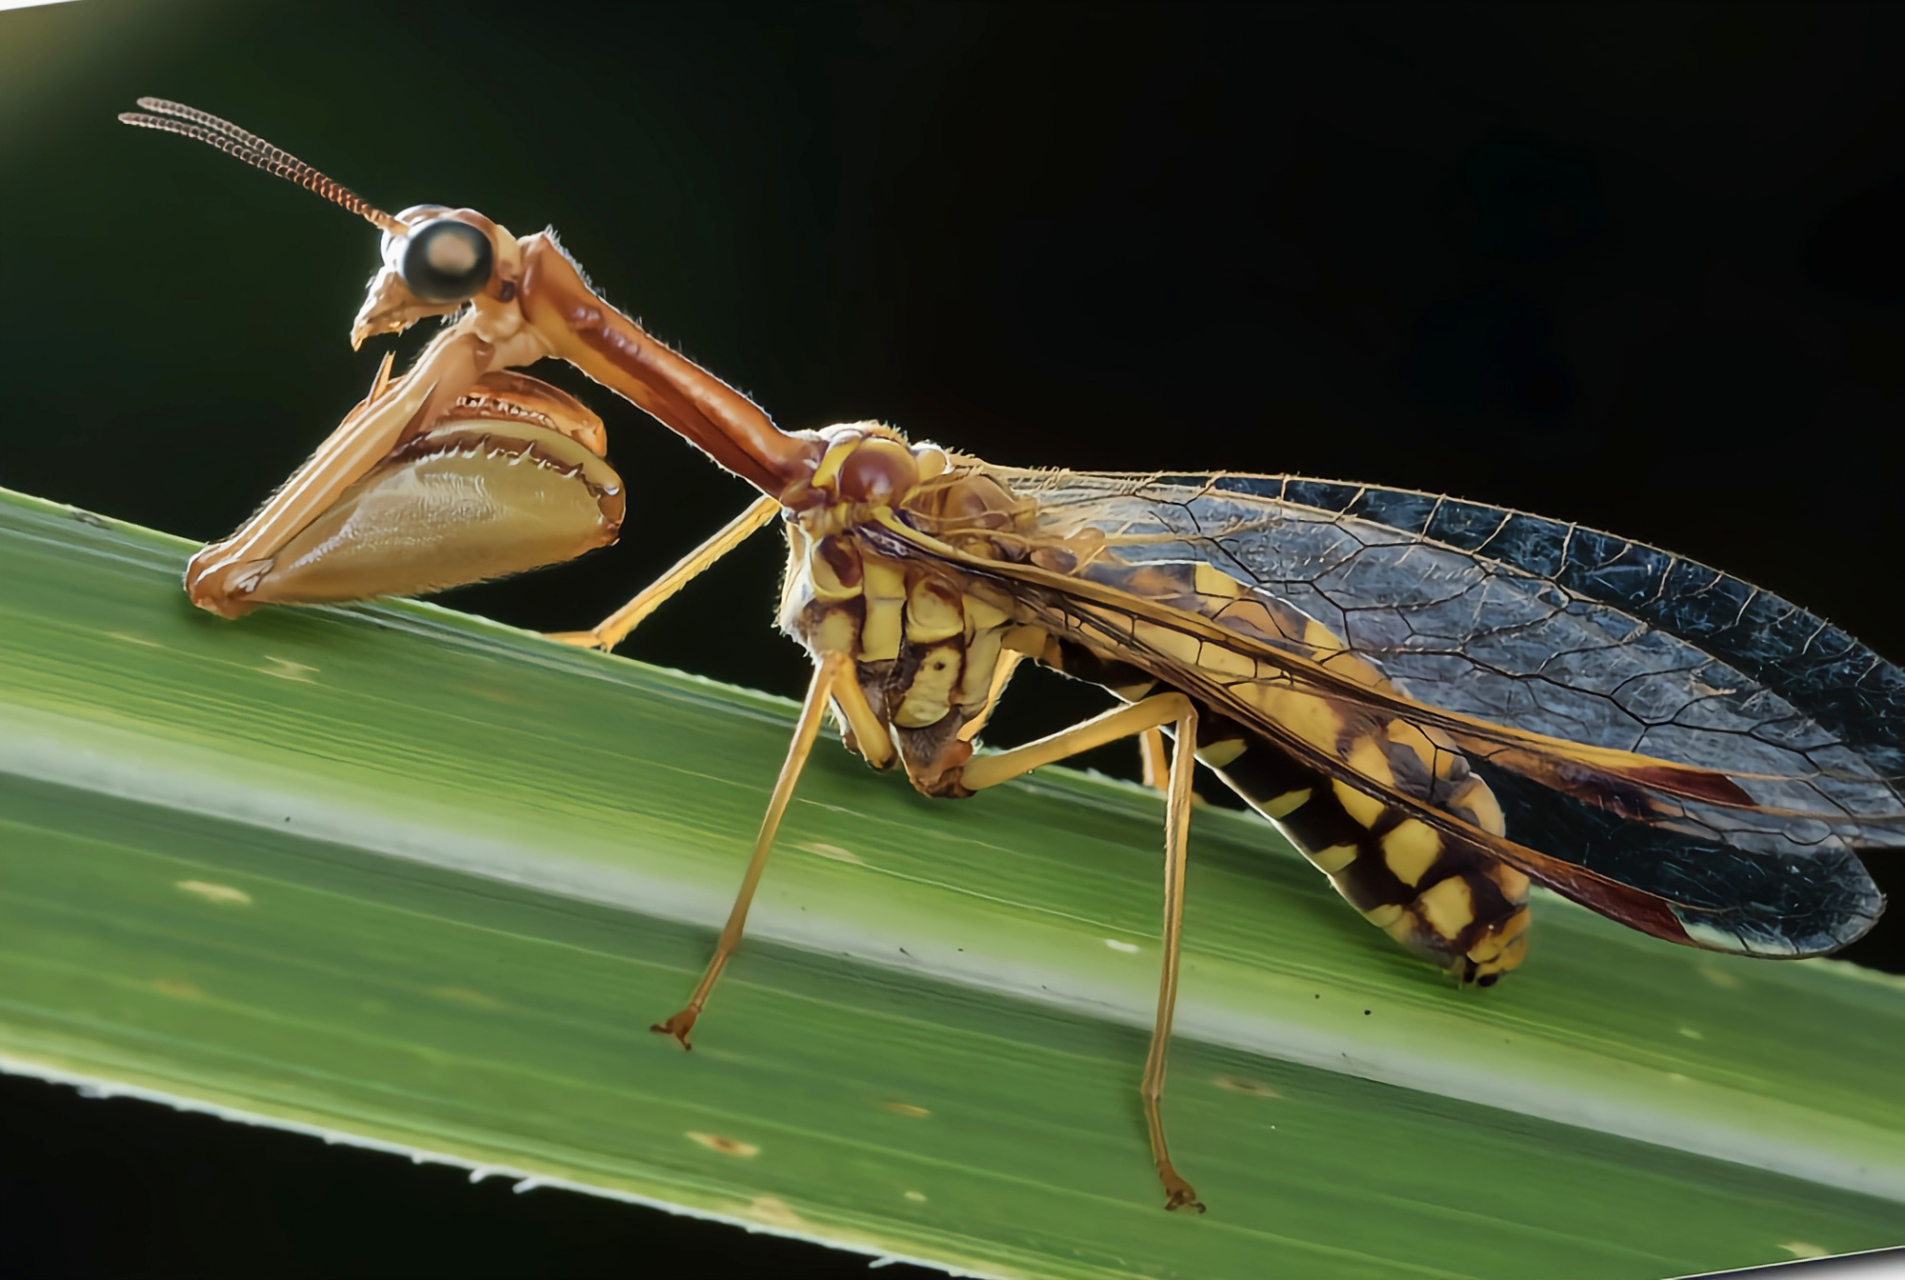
(254, 151)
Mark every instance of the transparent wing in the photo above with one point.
(1677, 749)
(1539, 626)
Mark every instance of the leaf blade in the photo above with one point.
(538, 842)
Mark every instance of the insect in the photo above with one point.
(1439, 702)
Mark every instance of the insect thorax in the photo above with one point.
(926, 645)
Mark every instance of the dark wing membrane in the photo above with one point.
(1687, 887)
(1544, 627)
(1731, 876)
(1724, 898)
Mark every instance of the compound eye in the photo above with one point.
(446, 261)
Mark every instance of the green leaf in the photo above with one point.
(412, 879)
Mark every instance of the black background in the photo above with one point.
(1636, 266)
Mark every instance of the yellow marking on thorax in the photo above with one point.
(928, 698)
(884, 590)
(933, 613)
(823, 579)
(1026, 639)
(828, 469)
(838, 632)
(984, 616)
(982, 659)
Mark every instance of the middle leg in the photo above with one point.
(1152, 758)
(1140, 718)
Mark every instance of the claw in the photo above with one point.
(1179, 1194)
(678, 1026)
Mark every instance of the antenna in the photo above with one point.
(176, 117)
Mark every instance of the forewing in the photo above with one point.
(1546, 628)
(1761, 864)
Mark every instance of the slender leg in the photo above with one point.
(613, 629)
(1119, 722)
(812, 711)
(1144, 717)
(1177, 829)
(1151, 756)
(870, 735)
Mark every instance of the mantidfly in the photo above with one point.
(1418, 691)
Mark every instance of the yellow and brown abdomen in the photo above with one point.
(1446, 899)
(1443, 898)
